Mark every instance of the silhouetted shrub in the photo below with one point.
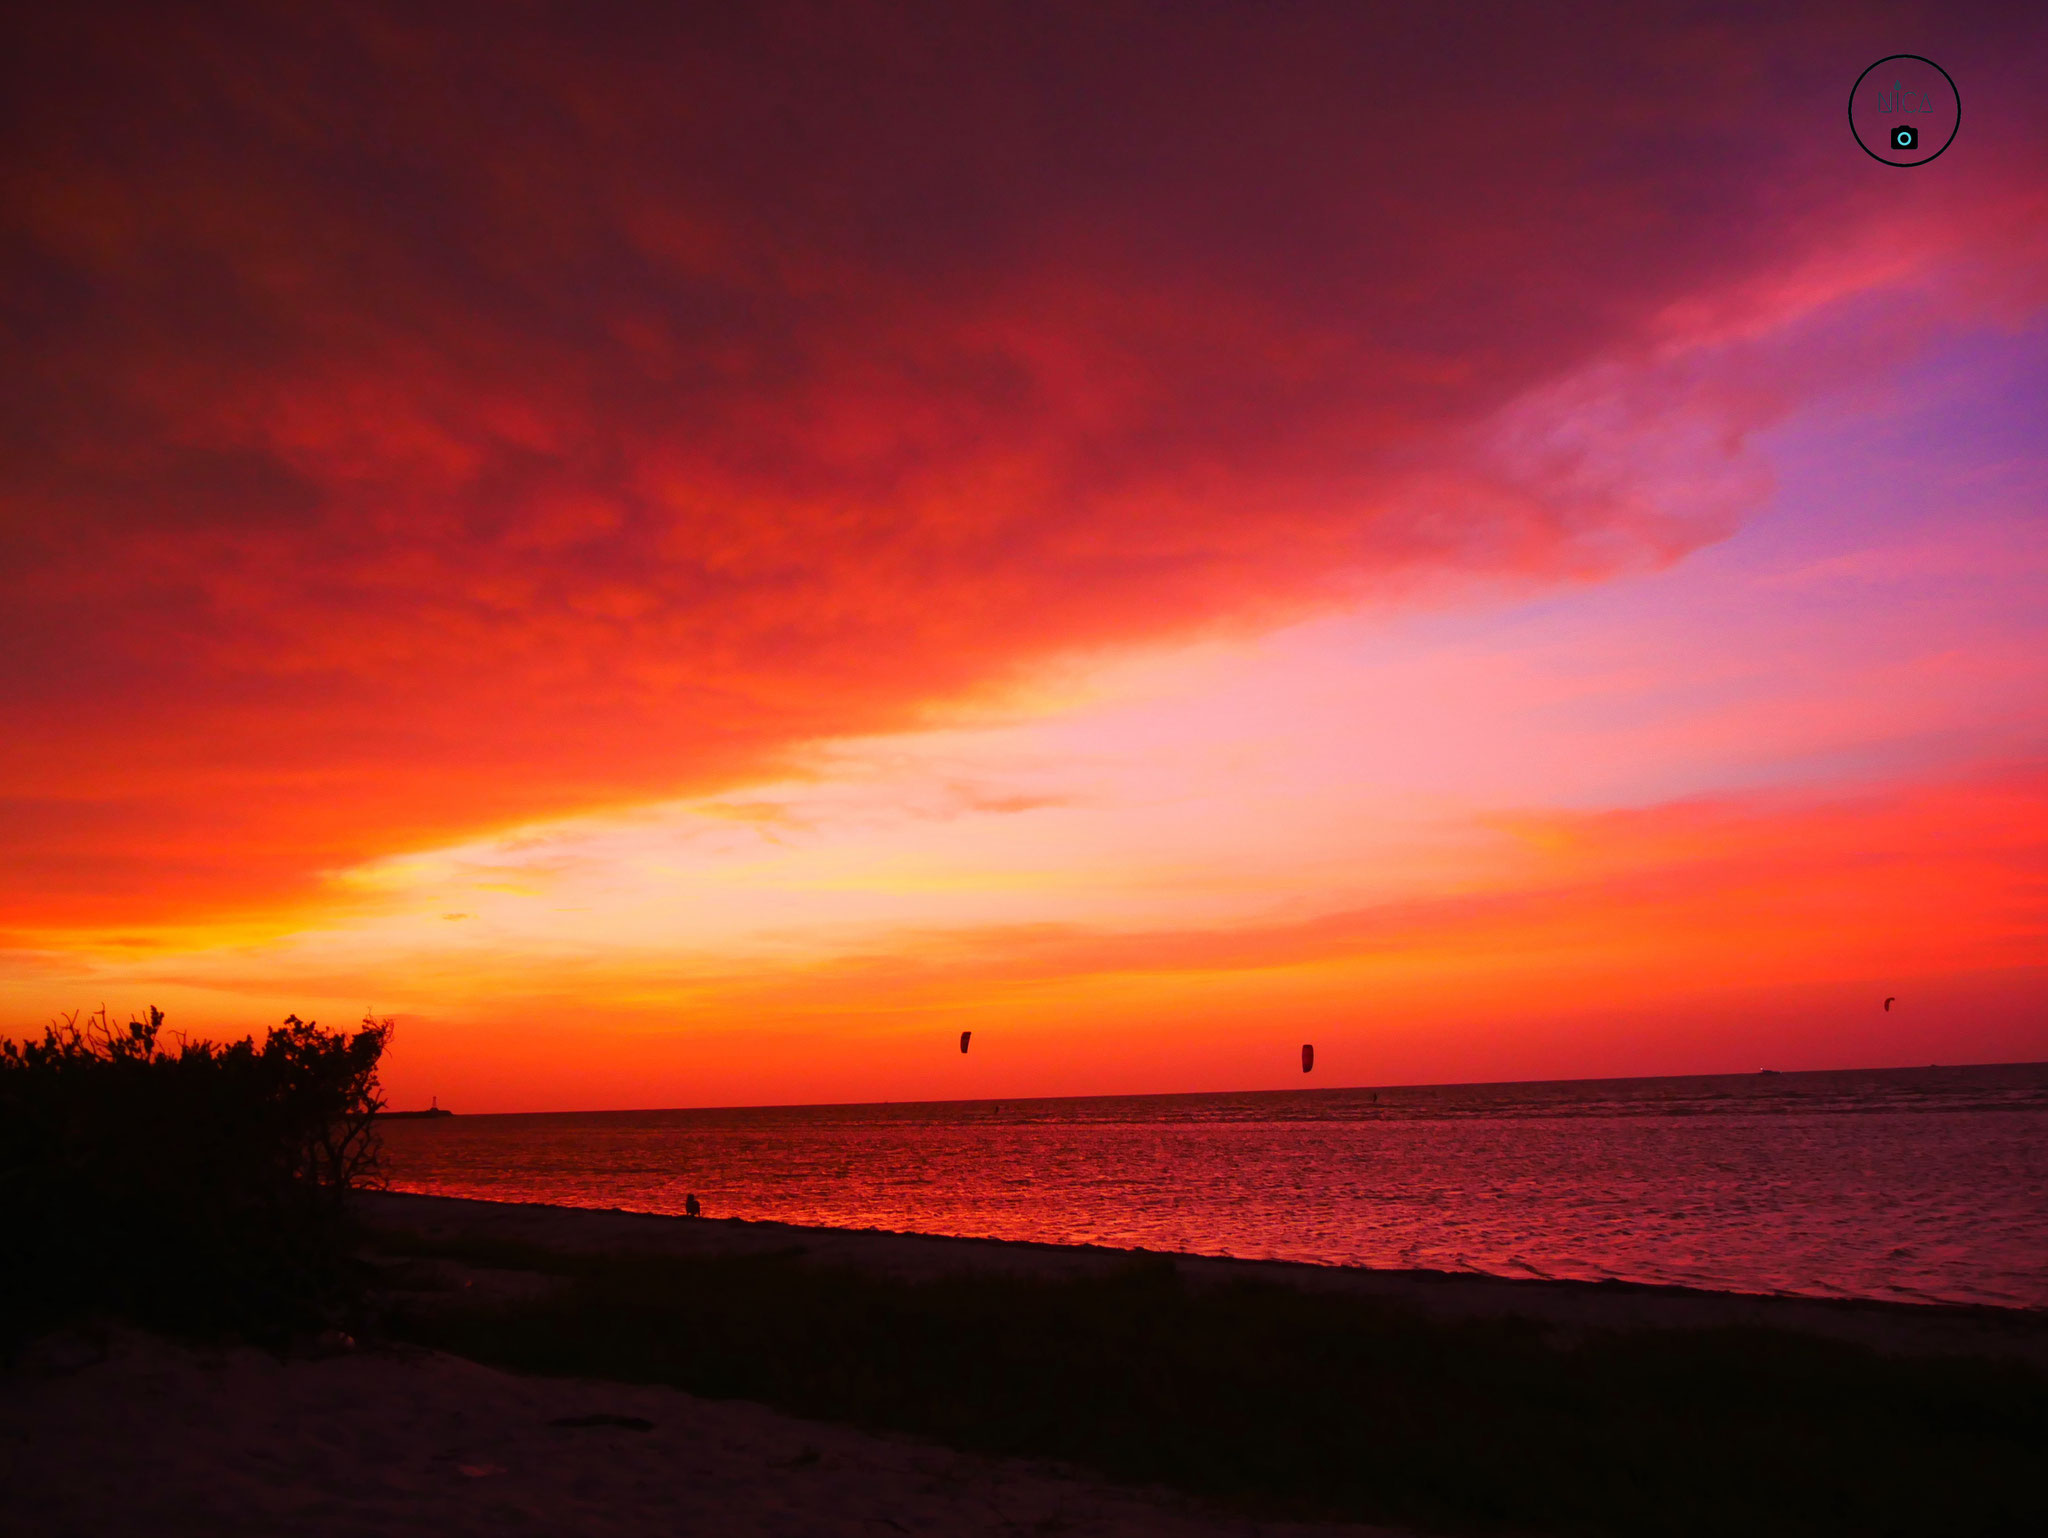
(203, 1187)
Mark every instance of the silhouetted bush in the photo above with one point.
(203, 1187)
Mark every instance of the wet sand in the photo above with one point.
(1567, 1306)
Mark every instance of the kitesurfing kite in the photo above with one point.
(963, 1039)
(1889, 1002)
(1308, 1056)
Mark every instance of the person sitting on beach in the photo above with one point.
(690, 1207)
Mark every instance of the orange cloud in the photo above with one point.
(1742, 930)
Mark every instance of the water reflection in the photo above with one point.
(1924, 1184)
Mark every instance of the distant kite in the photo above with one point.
(1308, 1057)
(963, 1040)
(1889, 1002)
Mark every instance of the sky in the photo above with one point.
(689, 555)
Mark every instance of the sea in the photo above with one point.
(1927, 1185)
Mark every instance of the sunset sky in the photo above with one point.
(691, 553)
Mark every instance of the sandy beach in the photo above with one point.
(110, 1430)
(123, 1433)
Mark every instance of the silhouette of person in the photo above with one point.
(690, 1207)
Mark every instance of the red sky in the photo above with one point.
(1150, 531)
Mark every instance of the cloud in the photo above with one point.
(420, 423)
(1767, 922)
(1686, 895)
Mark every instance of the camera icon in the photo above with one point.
(1905, 137)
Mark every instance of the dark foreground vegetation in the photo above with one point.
(1286, 1402)
(202, 1187)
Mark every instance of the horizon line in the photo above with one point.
(1317, 1089)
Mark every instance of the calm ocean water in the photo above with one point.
(1920, 1184)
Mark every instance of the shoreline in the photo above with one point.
(1565, 1307)
(537, 1368)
